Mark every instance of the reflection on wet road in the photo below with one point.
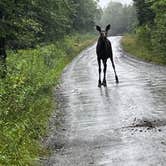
(121, 125)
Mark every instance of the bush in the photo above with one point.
(144, 35)
(132, 45)
(159, 32)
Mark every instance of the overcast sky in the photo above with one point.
(104, 3)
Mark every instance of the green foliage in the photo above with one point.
(151, 30)
(26, 97)
(145, 13)
(25, 90)
(86, 14)
(55, 17)
(16, 20)
(158, 38)
(122, 18)
(133, 46)
(143, 35)
(27, 23)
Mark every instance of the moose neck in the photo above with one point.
(102, 41)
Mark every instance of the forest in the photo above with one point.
(152, 24)
(148, 40)
(27, 23)
(144, 23)
(121, 17)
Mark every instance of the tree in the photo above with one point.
(86, 14)
(145, 14)
(24, 23)
(122, 18)
(152, 24)
(55, 18)
(159, 29)
(15, 20)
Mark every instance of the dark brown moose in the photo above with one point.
(104, 51)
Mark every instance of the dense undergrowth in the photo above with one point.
(26, 97)
(139, 49)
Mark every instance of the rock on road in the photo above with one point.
(121, 125)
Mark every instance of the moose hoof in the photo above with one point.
(99, 84)
(104, 83)
(117, 80)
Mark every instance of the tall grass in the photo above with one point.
(26, 97)
(139, 49)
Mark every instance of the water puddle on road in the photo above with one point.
(145, 125)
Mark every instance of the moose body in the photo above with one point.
(104, 52)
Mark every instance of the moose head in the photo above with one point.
(103, 33)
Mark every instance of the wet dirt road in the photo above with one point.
(121, 125)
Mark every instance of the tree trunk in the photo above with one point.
(3, 67)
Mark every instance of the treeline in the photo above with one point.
(24, 23)
(151, 28)
(122, 18)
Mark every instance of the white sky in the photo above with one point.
(104, 3)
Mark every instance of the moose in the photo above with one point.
(104, 51)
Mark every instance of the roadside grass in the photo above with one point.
(26, 100)
(133, 46)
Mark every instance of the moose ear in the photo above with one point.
(107, 27)
(98, 28)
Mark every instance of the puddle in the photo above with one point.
(145, 125)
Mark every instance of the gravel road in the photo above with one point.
(121, 125)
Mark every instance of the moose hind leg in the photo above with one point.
(99, 64)
(113, 65)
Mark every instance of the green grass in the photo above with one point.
(138, 49)
(26, 100)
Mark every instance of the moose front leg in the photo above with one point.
(99, 64)
(104, 71)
